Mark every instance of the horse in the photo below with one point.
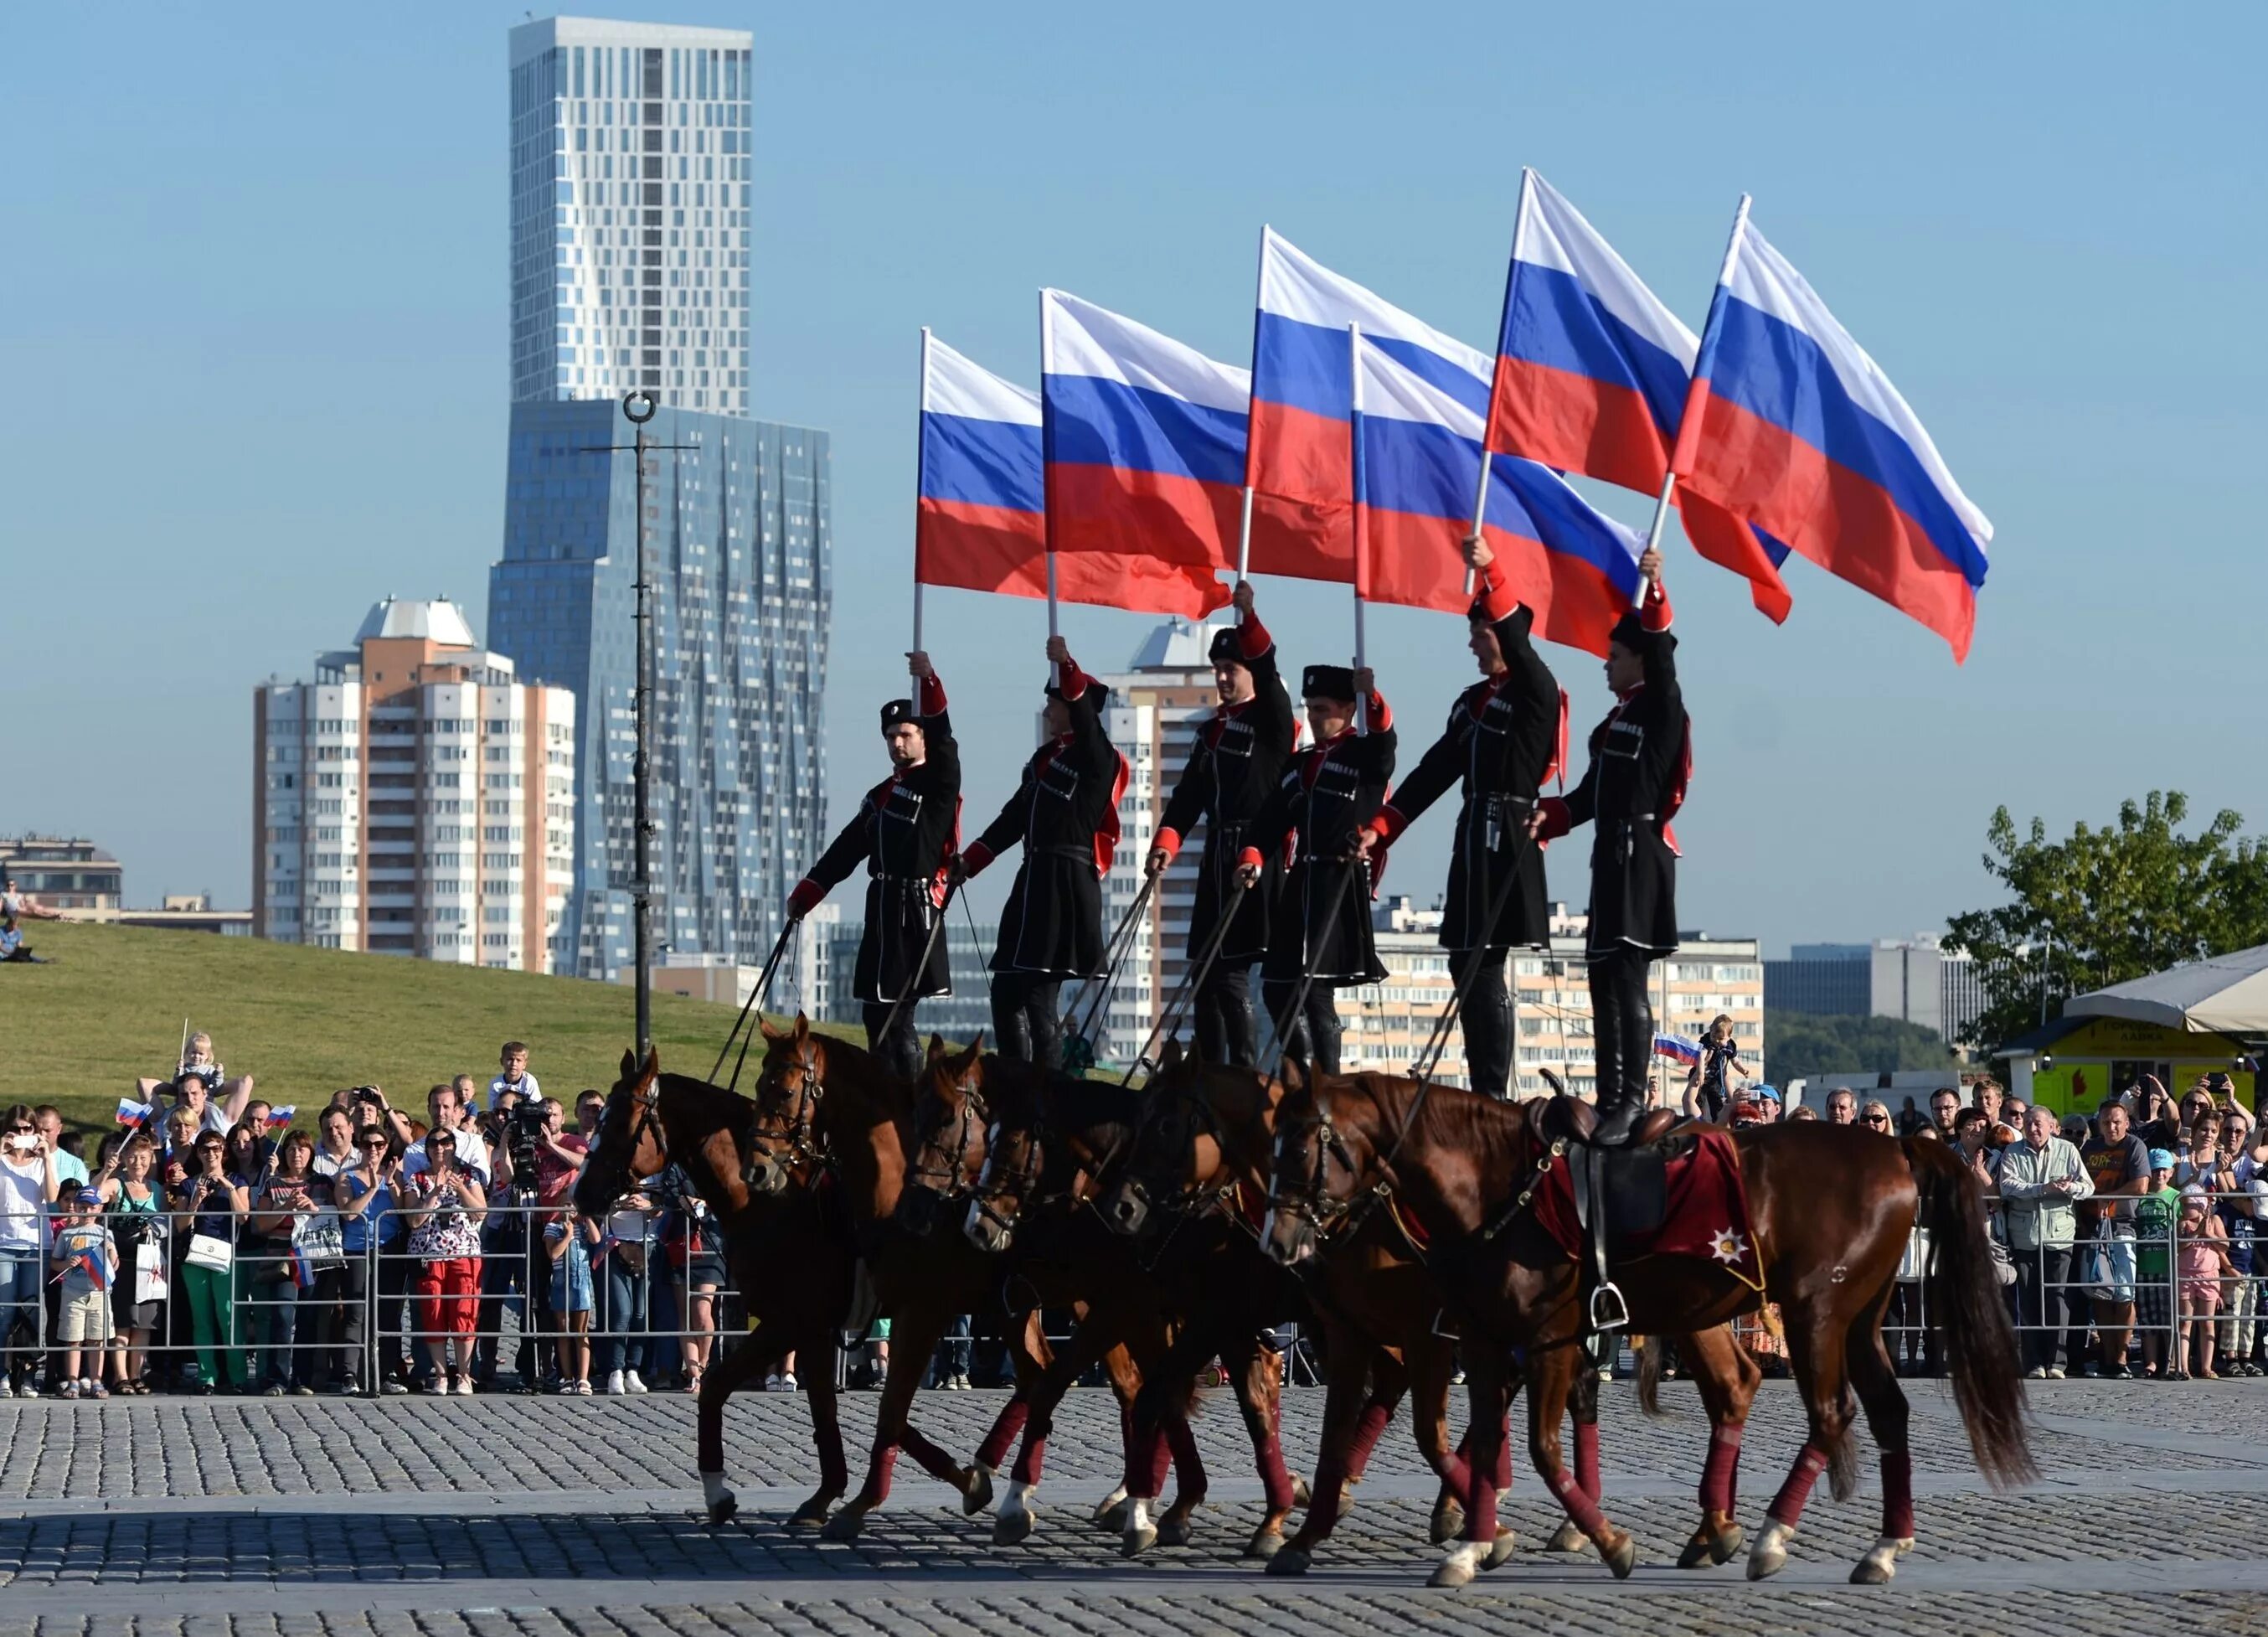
(820, 1096)
(1831, 1210)
(789, 1251)
(1206, 1142)
(1050, 1139)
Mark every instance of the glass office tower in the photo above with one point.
(739, 543)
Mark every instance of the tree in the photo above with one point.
(2107, 905)
(1801, 1044)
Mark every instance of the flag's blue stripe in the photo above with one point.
(994, 463)
(1307, 366)
(1092, 421)
(1551, 319)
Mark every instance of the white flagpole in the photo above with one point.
(1354, 444)
(921, 446)
(1519, 240)
(1047, 362)
(1669, 477)
(1244, 522)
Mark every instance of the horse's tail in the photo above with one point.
(1964, 1296)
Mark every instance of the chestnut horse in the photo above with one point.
(966, 1113)
(1206, 1141)
(790, 1254)
(1831, 1209)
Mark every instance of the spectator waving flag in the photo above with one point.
(283, 1116)
(133, 1113)
(1791, 427)
(1298, 464)
(1419, 467)
(1676, 1046)
(980, 519)
(1591, 377)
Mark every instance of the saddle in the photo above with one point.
(1621, 1194)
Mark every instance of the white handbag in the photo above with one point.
(214, 1254)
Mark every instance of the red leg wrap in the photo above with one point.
(1718, 1474)
(1580, 1506)
(1787, 1506)
(1367, 1428)
(1587, 1458)
(1897, 1494)
(1005, 1428)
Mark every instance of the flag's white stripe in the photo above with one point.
(1089, 340)
(1557, 236)
(1295, 285)
(958, 387)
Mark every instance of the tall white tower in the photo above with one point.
(630, 212)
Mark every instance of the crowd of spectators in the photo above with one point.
(218, 1243)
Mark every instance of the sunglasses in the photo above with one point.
(1876, 1119)
(375, 1142)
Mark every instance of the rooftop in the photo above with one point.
(1178, 644)
(433, 619)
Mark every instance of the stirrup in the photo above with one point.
(1609, 1310)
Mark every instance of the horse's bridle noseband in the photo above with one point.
(950, 1180)
(801, 1148)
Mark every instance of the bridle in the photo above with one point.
(803, 1149)
(1189, 1200)
(949, 1180)
(1313, 1203)
(648, 1120)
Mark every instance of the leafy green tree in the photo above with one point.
(2106, 905)
(1801, 1045)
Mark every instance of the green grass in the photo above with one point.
(306, 1021)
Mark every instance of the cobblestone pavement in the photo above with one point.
(484, 1517)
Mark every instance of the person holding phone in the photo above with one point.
(29, 1184)
(444, 1206)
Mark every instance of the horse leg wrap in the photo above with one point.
(1586, 1457)
(1897, 1494)
(1718, 1473)
(1146, 1463)
(1007, 1427)
(1275, 1479)
(1787, 1506)
(1188, 1467)
(1031, 1459)
(885, 1461)
(1578, 1503)
(1368, 1427)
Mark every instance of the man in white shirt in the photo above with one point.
(444, 1107)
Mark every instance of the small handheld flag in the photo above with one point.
(97, 1266)
(283, 1116)
(303, 1271)
(133, 1113)
(1676, 1046)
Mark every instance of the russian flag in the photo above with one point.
(283, 1116)
(1791, 427)
(1417, 472)
(133, 1113)
(980, 517)
(1591, 376)
(1676, 1046)
(1301, 451)
(95, 1267)
(303, 1271)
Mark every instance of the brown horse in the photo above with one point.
(993, 1102)
(1206, 1143)
(820, 1096)
(1831, 1209)
(790, 1254)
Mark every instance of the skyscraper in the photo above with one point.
(417, 798)
(737, 528)
(630, 212)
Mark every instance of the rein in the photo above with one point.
(1280, 1027)
(756, 996)
(1122, 945)
(955, 1170)
(1192, 980)
(1438, 1041)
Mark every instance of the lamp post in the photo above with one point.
(637, 408)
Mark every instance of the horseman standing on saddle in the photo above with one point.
(1232, 770)
(1319, 932)
(1506, 735)
(1641, 760)
(1065, 812)
(905, 829)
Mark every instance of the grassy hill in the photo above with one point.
(306, 1021)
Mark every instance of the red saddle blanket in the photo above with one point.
(1705, 1213)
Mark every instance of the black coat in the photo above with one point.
(903, 830)
(1497, 749)
(1232, 770)
(1065, 813)
(1639, 765)
(1321, 795)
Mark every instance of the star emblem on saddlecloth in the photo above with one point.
(1729, 1246)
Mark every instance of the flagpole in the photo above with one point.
(1244, 522)
(1519, 240)
(1687, 428)
(921, 452)
(1361, 556)
(1047, 362)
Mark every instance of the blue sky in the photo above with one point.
(256, 331)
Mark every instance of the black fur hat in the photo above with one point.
(1327, 682)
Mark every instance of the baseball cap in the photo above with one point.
(1770, 1094)
(2162, 1159)
(89, 1196)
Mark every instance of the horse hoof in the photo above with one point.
(1769, 1556)
(810, 1514)
(1135, 1542)
(1113, 1518)
(1567, 1537)
(1265, 1543)
(1458, 1567)
(724, 1510)
(845, 1525)
(1621, 1556)
(1291, 1560)
(1301, 1493)
(976, 1490)
(1174, 1531)
(1499, 1551)
(1448, 1522)
(1878, 1565)
(1726, 1546)
(1014, 1528)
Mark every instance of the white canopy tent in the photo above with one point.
(2226, 995)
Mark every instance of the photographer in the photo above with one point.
(133, 1198)
(28, 1185)
(693, 1254)
(625, 1292)
(217, 1202)
(367, 1193)
(513, 1265)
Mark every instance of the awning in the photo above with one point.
(2226, 995)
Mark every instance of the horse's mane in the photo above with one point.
(1450, 1116)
